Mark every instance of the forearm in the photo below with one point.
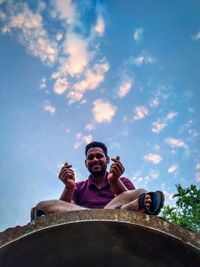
(67, 195)
(117, 186)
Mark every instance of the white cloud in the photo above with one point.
(171, 115)
(49, 108)
(103, 111)
(74, 96)
(197, 176)
(2, 15)
(55, 75)
(65, 10)
(43, 83)
(153, 174)
(186, 126)
(125, 87)
(193, 133)
(154, 102)
(160, 124)
(92, 79)
(196, 37)
(77, 64)
(59, 36)
(89, 127)
(142, 59)
(83, 101)
(188, 94)
(76, 48)
(168, 195)
(138, 35)
(145, 180)
(154, 158)
(75, 55)
(197, 167)
(114, 145)
(173, 168)
(192, 110)
(32, 34)
(81, 139)
(175, 143)
(138, 179)
(140, 112)
(60, 86)
(100, 26)
(162, 92)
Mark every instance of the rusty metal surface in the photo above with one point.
(99, 238)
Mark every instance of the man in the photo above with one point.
(102, 190)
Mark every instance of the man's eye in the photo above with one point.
(97, 157)
(90, 158)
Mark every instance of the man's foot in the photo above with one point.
(149, 203)
(35, 213)
(53, 206)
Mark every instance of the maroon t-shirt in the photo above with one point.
(88, 195)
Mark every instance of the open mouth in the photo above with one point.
(96, 167)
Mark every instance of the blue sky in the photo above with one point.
(123, 72)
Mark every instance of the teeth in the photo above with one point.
(95, 166)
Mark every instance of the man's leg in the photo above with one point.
(127, 200)
(51, 206)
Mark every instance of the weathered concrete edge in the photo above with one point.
(152, 222)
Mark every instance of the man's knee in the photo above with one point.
(47, 203)
(131, 195)
(140, 191)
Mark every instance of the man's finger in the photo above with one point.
(63, 171)
(116, 159)
(68, 172)
(67, 165)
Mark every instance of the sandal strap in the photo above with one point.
(157, 199)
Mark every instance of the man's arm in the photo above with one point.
(67, 176)
(116, 170)
(67, 195)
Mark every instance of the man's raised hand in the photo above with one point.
(67, 176)
(116, 169)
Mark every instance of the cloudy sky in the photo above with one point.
(123, 72)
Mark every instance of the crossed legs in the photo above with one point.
(51, 206)
(128, 200)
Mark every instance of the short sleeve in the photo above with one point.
(127, 183)
(77, 192)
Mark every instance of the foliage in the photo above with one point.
(187, 210)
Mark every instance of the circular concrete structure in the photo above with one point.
(99, 238)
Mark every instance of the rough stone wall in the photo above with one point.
(99, 238)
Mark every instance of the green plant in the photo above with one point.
(187, 210)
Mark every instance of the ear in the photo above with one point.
(85, 162)
(107, 160)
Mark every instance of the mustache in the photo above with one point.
(98, 173)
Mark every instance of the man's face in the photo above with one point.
(96, 161)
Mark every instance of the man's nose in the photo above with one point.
(95, 159)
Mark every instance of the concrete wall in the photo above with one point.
(99, 238)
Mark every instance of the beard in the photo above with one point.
(99, 173)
